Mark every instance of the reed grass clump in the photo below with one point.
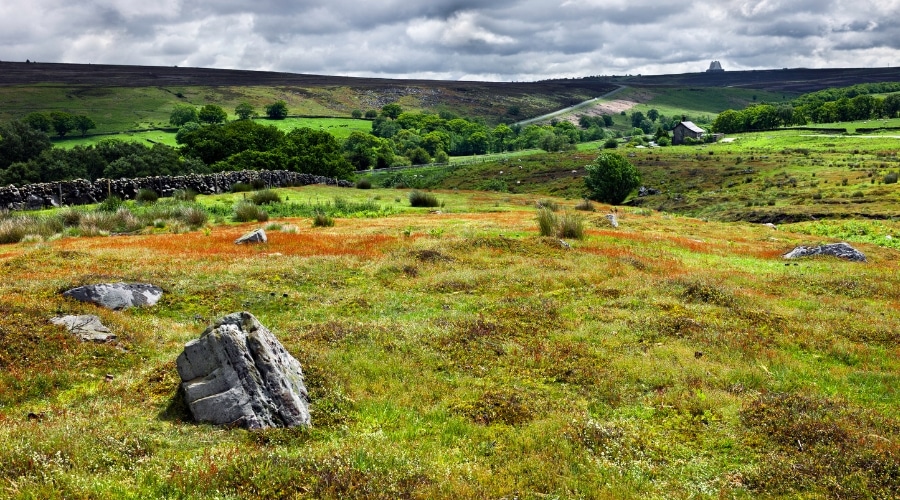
(419, 199)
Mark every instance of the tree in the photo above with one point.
(391, 111)
(315, 152)
(636, 118)
(891, 105)
(610, 178)
(371, 114)
(63, 122)
(20, 143)
(277, 110)
(182, 114)
(39, 121)
(356, 114)
(83, 124)
(212, 114)
(653, 115)
(244, 111)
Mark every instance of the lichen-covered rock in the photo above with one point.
(255, 236)
(613, 220)
(841, 250)
(238, 374)
(87, 326)
(117, 296)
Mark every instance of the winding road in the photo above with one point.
(580, 105)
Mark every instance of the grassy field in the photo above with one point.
(341, 128)
(778, 176)
(458, 354)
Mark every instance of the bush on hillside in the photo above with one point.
(610, 178)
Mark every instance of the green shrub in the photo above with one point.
(420, 199)
(146, 196)
(611, 143)
(364, 184)
(891, 177)
(111, 204)
(610, 178)
(664, 141)
(241, 187)
(265, 197)
(258, 184)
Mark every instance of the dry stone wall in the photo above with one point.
(82, 192)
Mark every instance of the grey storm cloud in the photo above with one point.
(455, 39)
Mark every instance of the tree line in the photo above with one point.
(208, 142)
(858, 102)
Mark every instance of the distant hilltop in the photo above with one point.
(715, 67)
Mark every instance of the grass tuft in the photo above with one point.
(421, 199)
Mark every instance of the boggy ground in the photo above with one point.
(461, 355)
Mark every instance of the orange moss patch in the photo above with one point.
(220, 244)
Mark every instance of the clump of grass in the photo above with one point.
(247, 211)
(419, 199)
(70, 217)
(12, 230)
(364, 184)
(566, 226)
(146, 196)
(891, 177)
(570, 226)
(546, 222)
(585, 205)
(322, 220)
(194, 217)
(257, 184)
(185, 195)
(548, 204)
(265, 197)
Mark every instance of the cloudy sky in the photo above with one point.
(500, 40)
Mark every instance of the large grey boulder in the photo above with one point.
(841, 250)
(255, 236)
(117, 296)
(238, 374)
(87, 326)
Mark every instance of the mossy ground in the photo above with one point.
(458, 354)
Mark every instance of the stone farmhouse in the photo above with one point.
(686, 129)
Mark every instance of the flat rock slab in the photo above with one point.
(238, 374)
(117, 296)
(86, 326)
(255, 236)
(840, 250)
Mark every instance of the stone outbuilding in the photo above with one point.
(687, 129)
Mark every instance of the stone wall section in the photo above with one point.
(83, 192)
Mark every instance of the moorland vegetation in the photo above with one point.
(476, 330)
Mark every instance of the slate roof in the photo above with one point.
(693, 128)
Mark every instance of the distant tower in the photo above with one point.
(715, 67)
